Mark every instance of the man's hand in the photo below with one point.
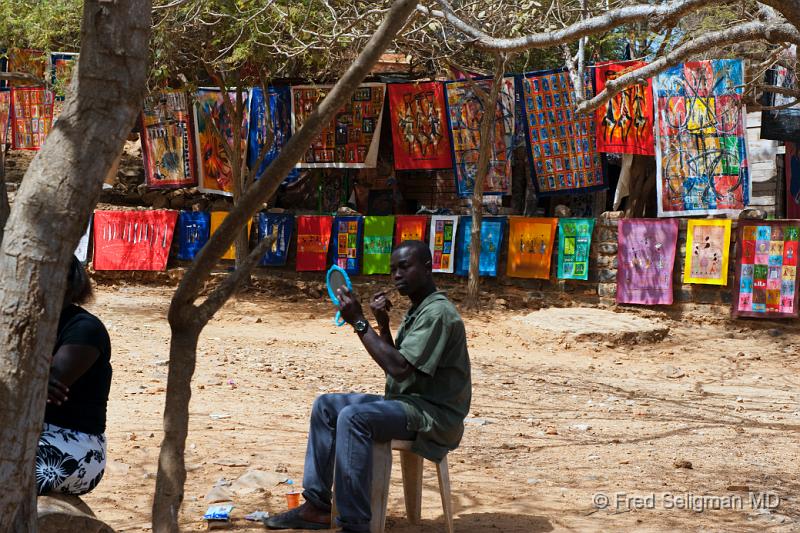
(349, 306)
(380, 306)
(56, 392)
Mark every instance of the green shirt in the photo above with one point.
(436, 396)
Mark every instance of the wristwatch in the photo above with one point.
(360, 325)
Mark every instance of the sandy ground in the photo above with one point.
(557, 424)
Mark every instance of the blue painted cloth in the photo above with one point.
(492, 230)
(282, 226)
(346, 250)
(193, 233)
(280, 104)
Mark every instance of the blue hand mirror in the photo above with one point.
(337, 277)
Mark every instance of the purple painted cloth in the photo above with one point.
(646, 256)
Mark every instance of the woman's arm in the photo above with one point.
(70, 362)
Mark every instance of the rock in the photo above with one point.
(682, 463)
(219, 494)
(469, 421)
(550, 430)
(673, 372)
(738, 488)
(257, 481)
(62, 513)
(581, 427)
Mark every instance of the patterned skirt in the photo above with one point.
(69, 461)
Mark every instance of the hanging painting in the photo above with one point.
(313, 239)
(410, 228)
(377, 244)
(708, 242)
(167, 144)
(194, 229)
(491, 238)
(574, 243)
(624, 125)
(217, 217)
(419, 126)
(5, 115)
(766, 269)
(645, 258)
(701, 143)
(278, 120)
(443, 242)
(280, 226)
(62, 64)
(791, 168)
(214, 171)
(464, 112)
(351, 139)
(562, 144)
(347, 234)
(133, 240)
(31, 117)
(530, 247)
(26, 61)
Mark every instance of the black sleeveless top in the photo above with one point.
(85, 410)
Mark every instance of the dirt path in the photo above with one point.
(554, 423)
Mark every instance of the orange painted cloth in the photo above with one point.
(530, 247)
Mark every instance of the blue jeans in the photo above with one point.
(343, 428)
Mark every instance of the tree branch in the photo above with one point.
(656, 16)
(749, 31)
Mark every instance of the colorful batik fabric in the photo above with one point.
(278, 124)
(464, 112)
(574, 244)
(766, 269)
(313, 240)
(419, 126)
(280, 226)
(624, 125)
(708, 243)
(645, 261)
(347, 235)
(351, 139)
(442, 242)
(133, 240)
(562, 144)
(194, 229)
(410, 228)
(492, 230)
(31, 117)
(530, 247)
(701, 142)
(214, 171)
(167, 142)
(378, 232)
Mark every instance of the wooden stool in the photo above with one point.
(411, 465)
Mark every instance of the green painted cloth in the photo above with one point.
(378, 233)
(574, 240)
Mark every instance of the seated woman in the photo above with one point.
(71, 456)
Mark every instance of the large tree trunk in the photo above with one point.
(50, 212)
(187, 319)
(487, 142)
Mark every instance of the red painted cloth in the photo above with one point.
(313, 239)
(419, 126)
(133, 240)
(410, 228)
(625, 124)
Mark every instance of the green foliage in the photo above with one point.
(53, 25)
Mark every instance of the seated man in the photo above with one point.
(428, 393)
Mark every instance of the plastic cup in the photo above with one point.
(293, 500)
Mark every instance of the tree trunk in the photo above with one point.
(487, 131)
(188, 319)
(50, 213)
